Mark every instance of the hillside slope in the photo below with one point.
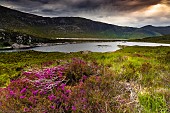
(66, 27)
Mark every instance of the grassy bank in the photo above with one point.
(159, 39)
(132, 80)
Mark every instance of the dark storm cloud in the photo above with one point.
(47, 10)
(120, 5)
(104, 10)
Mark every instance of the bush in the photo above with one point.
(42, 91)
(78, 68)
(46, 90)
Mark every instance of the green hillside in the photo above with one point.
(67, 27)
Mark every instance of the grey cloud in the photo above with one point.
(121, 5)
(92, 9)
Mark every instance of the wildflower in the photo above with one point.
(84, 77)
(22, 97)
(67, 108)
(35, 92)
(60, 74)
(53, 107)
(64, 97)
(7, 96)
(61, 68)
(84, 99)
(26, 109)
(38, 75)
(57, 82)
(82, 91)
(48, 71)
(51, 97)
(23, 90)
(63, 86)
(32, 99)
(68, 91)
(27, 73)
(73, 108)
(11, 93)
(84, 106)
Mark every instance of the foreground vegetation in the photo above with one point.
(132, 80)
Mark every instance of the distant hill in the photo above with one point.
(70, 27)
(162, 30)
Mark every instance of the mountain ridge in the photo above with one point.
(71, 27)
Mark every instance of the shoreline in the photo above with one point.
(123, 44)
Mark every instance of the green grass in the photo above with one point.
(159, 39)
(129, 61)
(12, 64)
(143, 72)
(153, 103)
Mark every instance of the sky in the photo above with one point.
(134, 13)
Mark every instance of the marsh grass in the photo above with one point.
(153, 103)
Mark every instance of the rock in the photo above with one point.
(15, 46)
(103, 45)
(2, 30)
(19, 46)
(85, 52)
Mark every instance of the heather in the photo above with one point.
(131, 80)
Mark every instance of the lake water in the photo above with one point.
(90, 46)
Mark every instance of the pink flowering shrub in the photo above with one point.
(78, 69)
(43, 90)
(75, 86)
(47, 90)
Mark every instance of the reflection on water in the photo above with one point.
(90, 46)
